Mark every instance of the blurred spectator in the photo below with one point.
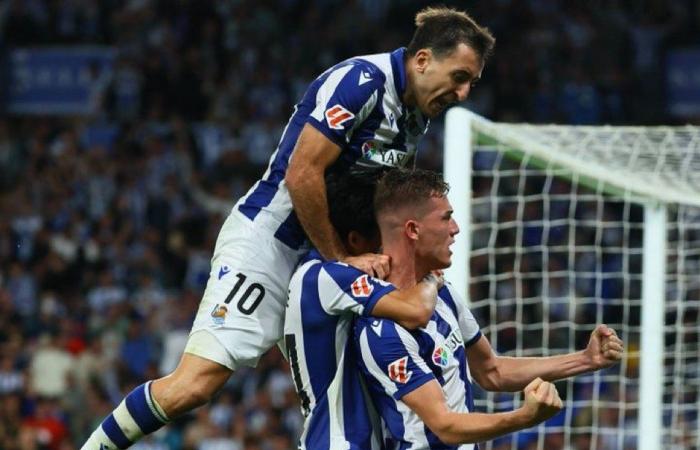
(49, 367)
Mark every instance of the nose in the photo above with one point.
(463, 91)
(455, 228)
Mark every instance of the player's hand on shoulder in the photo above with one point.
(376, 265)
(541, 401)
(604, 348)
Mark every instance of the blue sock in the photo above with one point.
(136, 416)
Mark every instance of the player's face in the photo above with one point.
(441, 82)
(437, 230)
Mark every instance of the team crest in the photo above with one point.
(336, 116)
(398, 371)
(218, 314)
(362, 287)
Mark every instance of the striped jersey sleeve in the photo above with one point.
(389, 356)
(468, 325)
(347, 95)
(344, 288)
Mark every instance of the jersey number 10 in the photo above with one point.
(245, 305)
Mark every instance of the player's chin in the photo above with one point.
(446, 261)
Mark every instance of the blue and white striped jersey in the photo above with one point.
(324, 297)
(356, 104)
(395, 362)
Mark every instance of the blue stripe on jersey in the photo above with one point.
(115, 433)
(350, 95)
(473, 340)
(345, 275)
(358, 429)
(454, 368)
(461, 355)
(434, 443)
(266, 188)
(290, 232)
(319, 330)
(397, 66)
(446, 296)
(319, 338)
(387, 349)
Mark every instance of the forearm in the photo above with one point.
(479, 427)
(513, 374)
(310, 204)
(411, 307)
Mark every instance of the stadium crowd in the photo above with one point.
(108, 221)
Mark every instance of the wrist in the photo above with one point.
(524, 417)
(587, 361)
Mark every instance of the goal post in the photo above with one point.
(565, 227)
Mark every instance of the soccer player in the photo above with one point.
(420, 380)
(324, 297)
(368, 110)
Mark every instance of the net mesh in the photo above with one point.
(555, 252)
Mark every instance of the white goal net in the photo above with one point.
(568, 227)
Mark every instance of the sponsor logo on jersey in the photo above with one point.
(223, 271)
(376, 152)
(369, 148)
(361, 287)
(336, 116)
(398, 371)
(218, 314)
(443, 352)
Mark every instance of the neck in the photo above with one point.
(405, 270)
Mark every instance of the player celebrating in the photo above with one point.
(324, 297)
(420, 380)
(368, 110)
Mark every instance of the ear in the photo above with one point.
(422, 58)
(359, 244)
(411, 229)
(354, 242)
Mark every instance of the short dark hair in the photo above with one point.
(350, 202)
(402, 187)
(441, 29)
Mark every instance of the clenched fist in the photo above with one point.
(604, 348)
(541, 401)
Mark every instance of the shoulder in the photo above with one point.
(359, 74)
(379, 329)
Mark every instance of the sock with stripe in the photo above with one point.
(136, 416)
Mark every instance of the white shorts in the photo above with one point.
(241, 314)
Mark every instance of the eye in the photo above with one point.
(460, 77)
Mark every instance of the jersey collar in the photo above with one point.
(399, 69)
